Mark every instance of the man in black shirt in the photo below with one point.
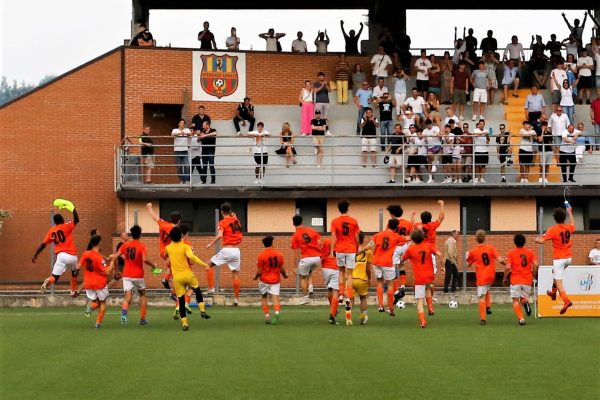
(503, 141)
(554, 47)
(453, 128)
(206, 38)
(386, 105)
(396, 141)
(143, 37)
(198, 119)
(368, 137)
(351, 39)
(489, 43)
(208, 138)
(245, 112)
(147, 154)
(545, 142)
(318, 127)
(471, 45)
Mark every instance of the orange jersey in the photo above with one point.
(326, 260)
(133, 252)
(521, 261)
(164, 229)
(419, 256)
(232, 230)
(62, 237)
(404, 228)
(429, 229)
(307, 240)
(269, 262)
(484, 257)
(95, 275)
(385, 243)
(560, 234)
(345, 229)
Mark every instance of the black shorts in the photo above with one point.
(585, 82)
(525, 157)
(416, 160)
(534, 115)
(422, 86)
(265, 158)
(482, 159)
(447, 159)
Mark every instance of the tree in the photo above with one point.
(14, 90)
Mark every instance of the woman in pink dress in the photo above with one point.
(308, 108)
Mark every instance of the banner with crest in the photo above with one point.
(218, 76)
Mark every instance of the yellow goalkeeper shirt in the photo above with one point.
(360, 265)
(179, 253)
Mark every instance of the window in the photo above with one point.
(586, 212)
(478, 213)
(314, 213)
(200, 214)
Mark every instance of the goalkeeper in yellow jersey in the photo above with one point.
(178, 254)
(361, 276)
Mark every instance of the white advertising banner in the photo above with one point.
(582, 284)
(218, 76)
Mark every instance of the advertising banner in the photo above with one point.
(582, 286)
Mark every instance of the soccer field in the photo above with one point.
(56, 353)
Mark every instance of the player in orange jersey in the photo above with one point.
(520, 262)
(484, 257)
(270, 270)
(560, 234)
(95, 278)
(305, 241)
(361, 276)
(429, 228)
(331, 277)
(134, 253)
(420, 255)
(164, 228)
(230, 231)
(384, 245)
(344, 242)
(404, 229)
(61, 234)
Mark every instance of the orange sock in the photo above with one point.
(421, 316)
(380, 296)
(73, 284)
(482, 310)
(350, 292)
(51, 280)
(236, 287)
(402, 280)
(563, 295)
(210, 277)
(143, 311)
(518, 310)
(188, 299)
(94, 305)
(390, 297)
(277, 307)
(342, 286)
(330, 297)
(488, 299)
(333, 307)
(265, 308)
(348, 314)
(429, 301)
(125, 306)
(101, 314)
(396, 285)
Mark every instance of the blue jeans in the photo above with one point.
(361, 112)
(569, 110)
(386, 130)
(596, 138)
(182, 160)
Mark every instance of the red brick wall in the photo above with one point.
(58, 142)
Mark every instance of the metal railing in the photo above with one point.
(344, 165)
(439, 52)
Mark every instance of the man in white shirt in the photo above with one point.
(434, 147)
(561, 74)
(417, 103)
(585, 65)
(299, 45)
(271, 38)
(423, 66)
(322, 41)
(514, 51)
(380, 63)
(380, 89)
(480, 141)
(594, 255)
(558, 124)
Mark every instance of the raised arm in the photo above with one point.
(343, 31)
(154, 216)
(441, 214)
(570, 213)
(75, 217)
(567, 21)
(360, 30)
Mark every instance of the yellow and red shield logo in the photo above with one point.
(219, 75)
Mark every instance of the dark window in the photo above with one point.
(586, 212)
(314, 213)
(200, 214)
(478, 213)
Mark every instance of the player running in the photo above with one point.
(484, 257)
(134, 253)
(230, 231)
(519, 263)
(404, 229)
(61, 234)
(429, 228)
(95, 278)
(178, 254)
(344, 242)
(420, 255)
(331, 277)
(361, 276)
(306, 242)
(384, 245)
(269, 270)
(560, 234)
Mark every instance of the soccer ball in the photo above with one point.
(400, 304)
(453, 304)
(219, 83)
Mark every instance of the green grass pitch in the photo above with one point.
(56, 353)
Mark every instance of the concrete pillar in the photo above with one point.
(384, 14)
(139, 15)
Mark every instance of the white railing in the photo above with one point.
(342, 166)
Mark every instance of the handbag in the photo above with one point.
(386, 159)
